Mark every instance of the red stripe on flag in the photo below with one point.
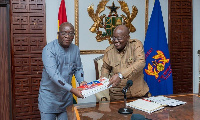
(62, 16)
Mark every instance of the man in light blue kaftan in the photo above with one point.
(61, 59)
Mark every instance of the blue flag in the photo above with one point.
(157, 72)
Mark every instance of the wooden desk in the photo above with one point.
(109, 110)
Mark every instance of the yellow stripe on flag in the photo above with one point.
(58, 26)
(74, 86)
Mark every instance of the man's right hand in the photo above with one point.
(114, 80)
(77, 92)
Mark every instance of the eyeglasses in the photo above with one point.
(119, 39)
(66, 33)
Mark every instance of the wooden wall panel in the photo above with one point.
(4, 1)
(4, 64)
(181, 44)
(28, 24)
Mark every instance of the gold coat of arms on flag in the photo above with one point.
(110, 21)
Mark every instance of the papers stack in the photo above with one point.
(153, 104)
(145, 105)
(165, 101)
(95, 87)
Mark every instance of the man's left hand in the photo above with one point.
(114, 80)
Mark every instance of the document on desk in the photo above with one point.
(152, 104)
(145, 105)
(165, 101)
(94, 87)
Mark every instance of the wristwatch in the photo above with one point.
(120, 75)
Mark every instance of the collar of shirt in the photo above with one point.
(124, 50)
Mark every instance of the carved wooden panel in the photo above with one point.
(4, 1)
(181, 44)
(4, 64)
(27, 41)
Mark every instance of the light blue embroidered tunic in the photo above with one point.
(59, 66)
